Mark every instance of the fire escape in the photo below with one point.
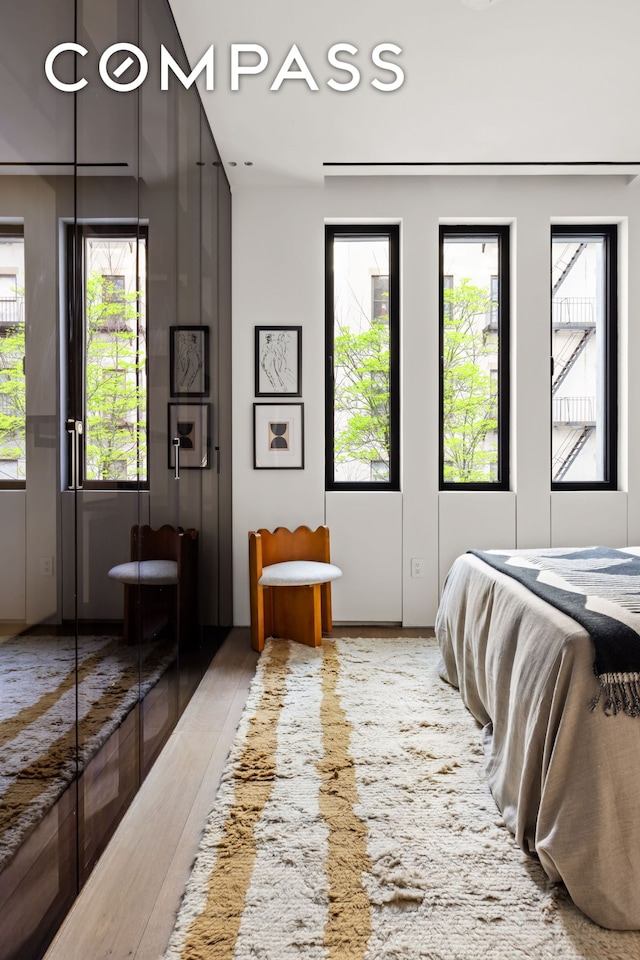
(11, 314)
(574, 315)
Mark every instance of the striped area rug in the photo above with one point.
(45, 683)
(353, 823)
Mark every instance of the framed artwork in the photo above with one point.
(189, 359)
(278, 361)
(278, 436)
(191, 424)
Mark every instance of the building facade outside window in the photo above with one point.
(362, 344)
(107, 374)
(474, 372)
(584, 357)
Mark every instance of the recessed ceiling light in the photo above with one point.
(248, 163)
(232, 163)
(479, 4)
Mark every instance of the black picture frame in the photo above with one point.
(281, 448)
(191, 424)
(189, 361)
(278, 361)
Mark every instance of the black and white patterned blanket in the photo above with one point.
(600, 588)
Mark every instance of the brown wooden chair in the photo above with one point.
(160, 583)
(290, 577)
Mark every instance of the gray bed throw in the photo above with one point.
(599, 587)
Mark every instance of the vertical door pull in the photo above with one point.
(176, 447)
(74, 429)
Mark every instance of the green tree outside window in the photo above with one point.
(469, 410)
(115, 398)
(115, 386)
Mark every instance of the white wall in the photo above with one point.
(277, 278)
(12, 556)
(278, 265)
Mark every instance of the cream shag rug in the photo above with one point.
(45, 682)
(353, 822)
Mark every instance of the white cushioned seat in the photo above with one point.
(298, 573)
(153, 573)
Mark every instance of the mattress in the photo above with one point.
(566, 778)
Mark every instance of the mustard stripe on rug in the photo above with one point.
(353, 821)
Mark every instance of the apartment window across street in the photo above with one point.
(362, 341)
(8, 291)
(447, 284)
(584, 357)
(380, 297)
(107, 386)
(495, 298)
(114, 288)
(13, 466)
(474, 340)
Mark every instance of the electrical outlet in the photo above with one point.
(46, 566)
(417, 567)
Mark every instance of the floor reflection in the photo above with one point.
(47, 683)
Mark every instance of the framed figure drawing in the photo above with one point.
(190, 423)
(189, 359)
(278, 362)
(278, 436)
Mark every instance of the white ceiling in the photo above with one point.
(515, 81)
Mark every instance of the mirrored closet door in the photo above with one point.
(114, 438)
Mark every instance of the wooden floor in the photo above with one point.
(127, 909)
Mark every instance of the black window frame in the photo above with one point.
(390, 232)
(479, 232)
(75, 345)
(608, 232)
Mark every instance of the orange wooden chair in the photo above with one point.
(290, 577)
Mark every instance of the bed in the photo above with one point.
(564, 774)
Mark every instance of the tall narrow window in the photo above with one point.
(474, 381)
(12, 358)
(362, 312)
(584, 361)
(108, 359)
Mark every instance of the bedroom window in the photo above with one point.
(583, 357)
(362, 338)
(474, 354)
(13, 467)
(107, 359)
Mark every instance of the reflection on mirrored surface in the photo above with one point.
(43, 674)
(114, 227)
(13, 420)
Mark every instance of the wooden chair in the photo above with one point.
(160, 582)
(290, 577)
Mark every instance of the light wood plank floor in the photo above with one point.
(127, 908)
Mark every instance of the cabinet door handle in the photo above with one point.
(176, 447)
(74, 429)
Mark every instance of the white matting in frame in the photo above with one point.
(278, 436)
